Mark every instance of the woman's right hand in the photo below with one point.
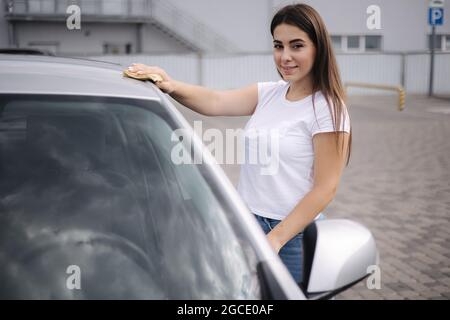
(167, 85)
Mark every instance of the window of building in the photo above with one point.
(336, 41)
(40, 6)
(442, 42)
(373, 43)
(437, 42)
(362, 43)
(353, 43)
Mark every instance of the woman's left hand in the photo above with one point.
(274, 243)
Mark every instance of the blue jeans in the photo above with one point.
(292, 252)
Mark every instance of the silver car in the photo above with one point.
(93, 207)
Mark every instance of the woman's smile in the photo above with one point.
(288, 70)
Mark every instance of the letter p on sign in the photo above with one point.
(436, 13)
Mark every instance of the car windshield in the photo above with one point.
(93, 207)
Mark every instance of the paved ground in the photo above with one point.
(398, 185)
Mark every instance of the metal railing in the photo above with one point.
(161, 13)
(196, 32)
(399, 89)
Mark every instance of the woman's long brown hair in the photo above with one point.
(325, 71)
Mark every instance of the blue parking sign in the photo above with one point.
(435, 16)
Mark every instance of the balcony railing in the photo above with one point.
(161, 13)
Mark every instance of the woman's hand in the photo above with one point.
(167, 85)
(274, 242)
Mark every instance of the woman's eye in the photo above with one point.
(297, 46)
(277, 46)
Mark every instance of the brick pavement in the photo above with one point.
(398, 185)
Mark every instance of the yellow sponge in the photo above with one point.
(153, 77)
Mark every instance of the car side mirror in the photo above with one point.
(337, 255)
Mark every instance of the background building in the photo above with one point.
(148, 26)
(233, 35)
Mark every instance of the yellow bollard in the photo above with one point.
(401, 102)
(399, 89)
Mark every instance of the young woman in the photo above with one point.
(308, 112)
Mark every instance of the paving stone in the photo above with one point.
(409, 294)
(438, 298)
(446, 294)
(445, 281)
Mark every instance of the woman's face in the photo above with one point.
(293, 52)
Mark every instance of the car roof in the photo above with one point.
(25, 74)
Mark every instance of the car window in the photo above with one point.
(92, 206)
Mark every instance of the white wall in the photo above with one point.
(243, 22)
(233, 71)
(418, 67)
(155, 41)
(404, 23)
(183, 67)
(90, 38)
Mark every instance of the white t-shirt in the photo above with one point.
(278, 168)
